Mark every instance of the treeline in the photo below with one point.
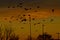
(7, 34)
(44, 36)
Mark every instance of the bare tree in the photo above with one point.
(10, 35)
(14, 37)
(8, 32)
(1, 32)
(29, 38)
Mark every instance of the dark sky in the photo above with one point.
(33, 3)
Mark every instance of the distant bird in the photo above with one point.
(17, 5)
(51, 20)
(13, 7)
(26, 9)
(10, 21)
(34, 23)
(8, 6)
(30, 8)
(23, 15)
(38, 23)
(18, 16)
(38, 7)
(20, 6)
(43, 25)
(11, 17)
(43, 20)
(17, 19)
(36, 11)
(33, 18)
(22, 27)
(52, 10)
(24, 20)
(5, 18)
(20, 3)
(29, 15)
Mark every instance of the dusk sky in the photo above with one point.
(33, 3)
(38, 9)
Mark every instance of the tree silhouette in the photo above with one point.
(39, 37)
(8, 32)
(45, 36)
(14, 37)
(29, 38)
(10, 35)
(1, 32)
(58, 35)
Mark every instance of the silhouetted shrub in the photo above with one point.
(29, 38)
(45, 36)
(14, 37)
(10, 35)
(1, 34)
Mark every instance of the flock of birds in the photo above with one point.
(23, 19)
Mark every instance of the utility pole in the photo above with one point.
(42, 28)
(30, 25)
(43, 31)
